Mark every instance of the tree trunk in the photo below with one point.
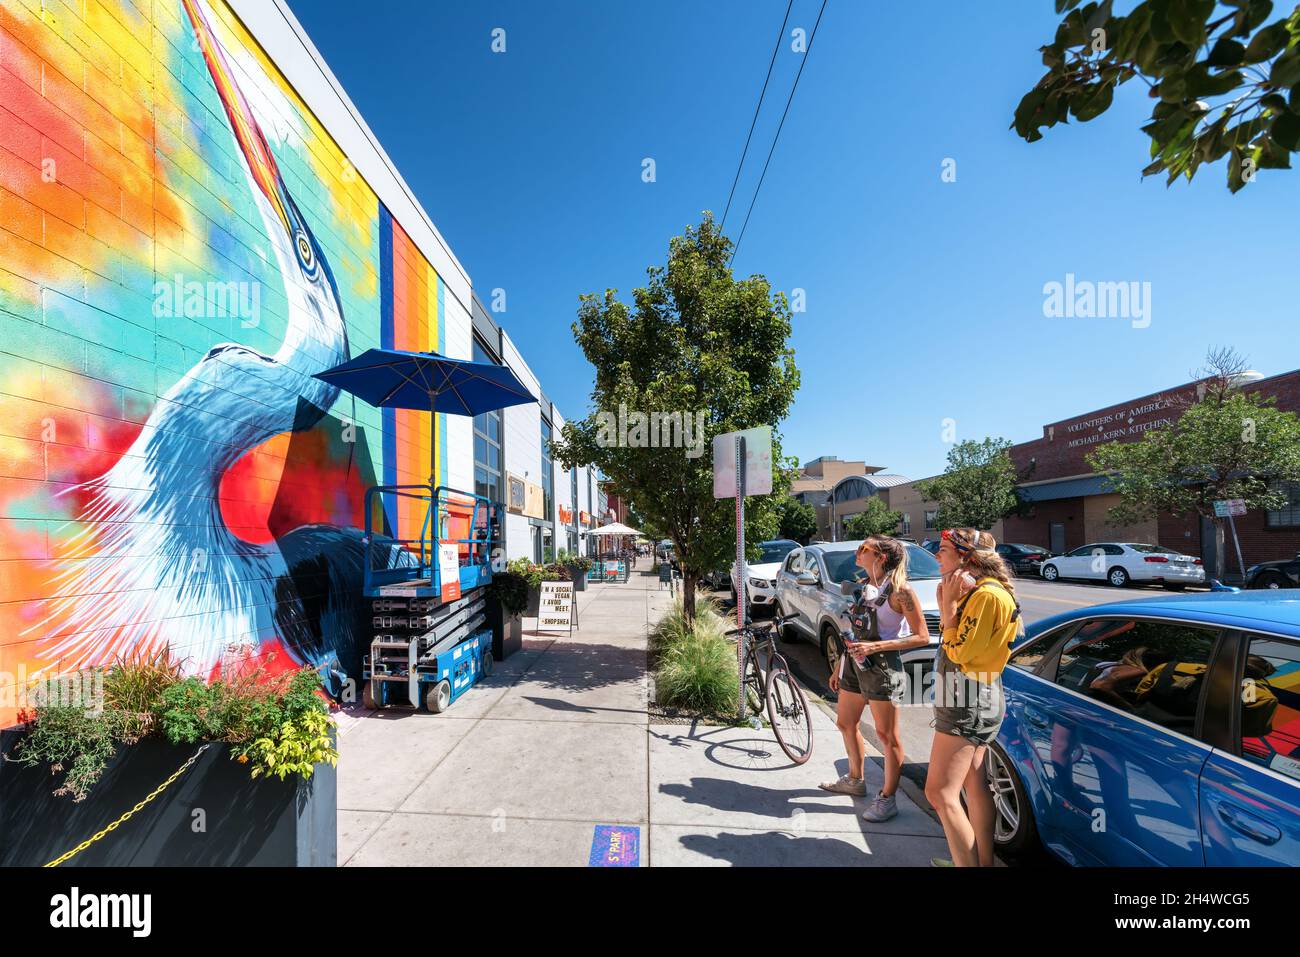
(688, 596)
(1220, 554)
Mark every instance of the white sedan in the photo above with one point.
(1122, 562)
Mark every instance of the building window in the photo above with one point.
(487, 445)
(1289, 516)
(548, 496)
(931, 516)
(905, 526)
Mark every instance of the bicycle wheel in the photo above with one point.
(753, 688)
(787, 709)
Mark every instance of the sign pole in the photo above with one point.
(740, 568)
(1232, 524)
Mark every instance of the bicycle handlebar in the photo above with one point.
(765, 625)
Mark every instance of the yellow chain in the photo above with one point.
(127, 816)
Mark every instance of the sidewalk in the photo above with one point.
(523, 769)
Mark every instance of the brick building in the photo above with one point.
(1069, 504)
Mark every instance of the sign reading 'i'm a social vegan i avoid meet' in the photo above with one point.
(555, 609)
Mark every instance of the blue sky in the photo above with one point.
(924, 298)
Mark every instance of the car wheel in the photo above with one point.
(830, 649)
(1014, 831)
(1117, 577)
(1271, 581)
(1051, 573)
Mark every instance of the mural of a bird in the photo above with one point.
(154, 561)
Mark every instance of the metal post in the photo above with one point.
(740, 568)
(1232, 524)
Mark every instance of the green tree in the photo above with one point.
(876, 518)
(1225, 80)
(1228, 444)
(977, 488)
(694, 340)
(797, 521)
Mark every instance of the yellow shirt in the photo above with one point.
(980, 642)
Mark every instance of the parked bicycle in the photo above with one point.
(773, 688)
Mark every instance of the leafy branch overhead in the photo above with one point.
(1225, 78)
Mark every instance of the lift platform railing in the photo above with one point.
(447, 519)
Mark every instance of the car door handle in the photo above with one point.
(1248, 824)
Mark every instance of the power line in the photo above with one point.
(780, 35)
(789, 100)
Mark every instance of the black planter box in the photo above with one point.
(534, 606)
(507, 631)
(214, 815)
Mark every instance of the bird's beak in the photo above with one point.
(247, 133)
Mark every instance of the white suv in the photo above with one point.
(761, 579)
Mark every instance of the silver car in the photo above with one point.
(808, 588)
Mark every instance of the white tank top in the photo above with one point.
(892, 623)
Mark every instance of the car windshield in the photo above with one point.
(842, 565)
(774, 552)
(920, 563)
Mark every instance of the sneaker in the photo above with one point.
(941, 862)
(846, 785)
(881, 809)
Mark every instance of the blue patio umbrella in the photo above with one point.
(428, 382)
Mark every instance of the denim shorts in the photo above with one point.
(885, 683)
(965, 707)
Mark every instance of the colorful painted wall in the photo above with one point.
(182, 245)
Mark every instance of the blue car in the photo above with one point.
(1163, 731)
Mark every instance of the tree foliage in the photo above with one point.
(693, 339)
(1224, 77)
(876, 518)
(797, 520)
(978, 488)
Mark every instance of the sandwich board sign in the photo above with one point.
(758, 462)
(555, 611)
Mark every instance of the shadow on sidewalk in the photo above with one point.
(724, 795)
(584, 667)
(774, 848)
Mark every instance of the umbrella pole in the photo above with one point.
(433, 441)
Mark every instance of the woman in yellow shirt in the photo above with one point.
(980, 618)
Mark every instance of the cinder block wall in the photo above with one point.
(183, 243)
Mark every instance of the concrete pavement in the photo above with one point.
(524, 767)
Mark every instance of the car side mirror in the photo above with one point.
(848, 589)
(804, 578)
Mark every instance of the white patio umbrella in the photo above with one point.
(614, 528)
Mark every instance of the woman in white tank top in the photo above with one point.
(887, 621)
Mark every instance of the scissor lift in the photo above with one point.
(429, 642)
